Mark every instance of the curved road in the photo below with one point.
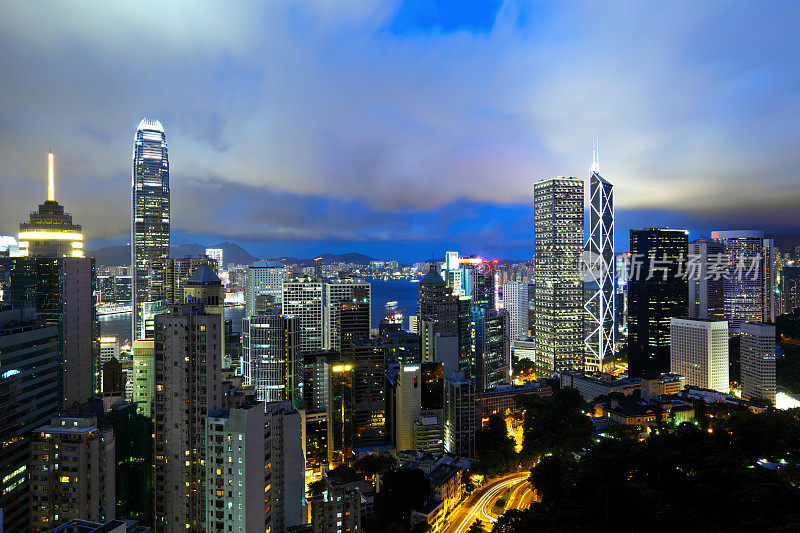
(479, 506)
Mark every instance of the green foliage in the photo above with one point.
(401, 491)
(520, 366)
(476, 527)
(315, 488)
(689, 480)
(557, 424)
(772, 435)
(494, 449)
(787, 368)
(370, 465)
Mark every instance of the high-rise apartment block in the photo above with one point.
(285, 446)
(150, 211)
(657, 292)
(72, 473)
(188, 387)
(408, 400)
(144, 374)
(558, 233)
(757, 357)
(699, 352)
(263, 286)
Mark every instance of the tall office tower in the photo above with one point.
(336, 294)
(285, 446)
(452, 272)
(459, 416)
(217, 255)
(750, 284)
(72, 465)
(447, 352)
(757, 358)
(144, 374)
(205, 287)
(316, 383)
(699, 352)
(399, 344)
(515, 302)
(168, 276)
(492, 348)
(149, 210)
(263, 286)
(432, 392)
(353, 323)
(369, 400)
(465, 331)
(28, 399)
(436, 302)
(600, 304)
(302, 297)
(656, 292)
(340, 412)
(236, 470)
(53, 272)
(408, 399)
(271, 363)
(706, 287)
(188, 386)
(790, 289)
(531, 308)
(558, 239)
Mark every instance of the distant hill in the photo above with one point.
(327, 259)
(121, 255)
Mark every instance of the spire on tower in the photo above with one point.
(595, 152)
(51, 181)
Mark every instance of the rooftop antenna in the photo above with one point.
(595, 152)
(51, 180)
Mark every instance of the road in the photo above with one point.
(479, 505)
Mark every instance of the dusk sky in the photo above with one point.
(402, 129)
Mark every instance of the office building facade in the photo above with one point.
(699, 352)
(558, 234)
(303, 298)
(757, 357)
(271, 362)
(263, 286)
(150, 210)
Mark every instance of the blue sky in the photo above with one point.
(401, 129)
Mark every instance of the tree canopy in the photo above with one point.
(494, 449)
(555, 424)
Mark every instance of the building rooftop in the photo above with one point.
(264, 263)
(203, 274)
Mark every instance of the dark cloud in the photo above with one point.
(395, 122)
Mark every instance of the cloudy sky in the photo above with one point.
(401, 129)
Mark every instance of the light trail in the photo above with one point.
(478, 509)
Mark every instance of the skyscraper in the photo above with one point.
(657, 292)
(558, 235)
(149, 210)
(336, 294)
(706, 283)
(515, 302)
(600, 304)
(270, 360)
(263, 285)
(302, 297)
(758, 361)
(750, 281)
(699, 352)
(53, 275)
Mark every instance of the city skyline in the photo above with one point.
(406, 156)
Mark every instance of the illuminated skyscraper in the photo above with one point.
(302, 297)
(558, 229)
(270, 361)
(149, 210)
(52, 274)
(657, 292)
(749, 287)
(263, 284)
(600, 308)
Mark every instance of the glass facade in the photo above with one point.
(150, 215)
